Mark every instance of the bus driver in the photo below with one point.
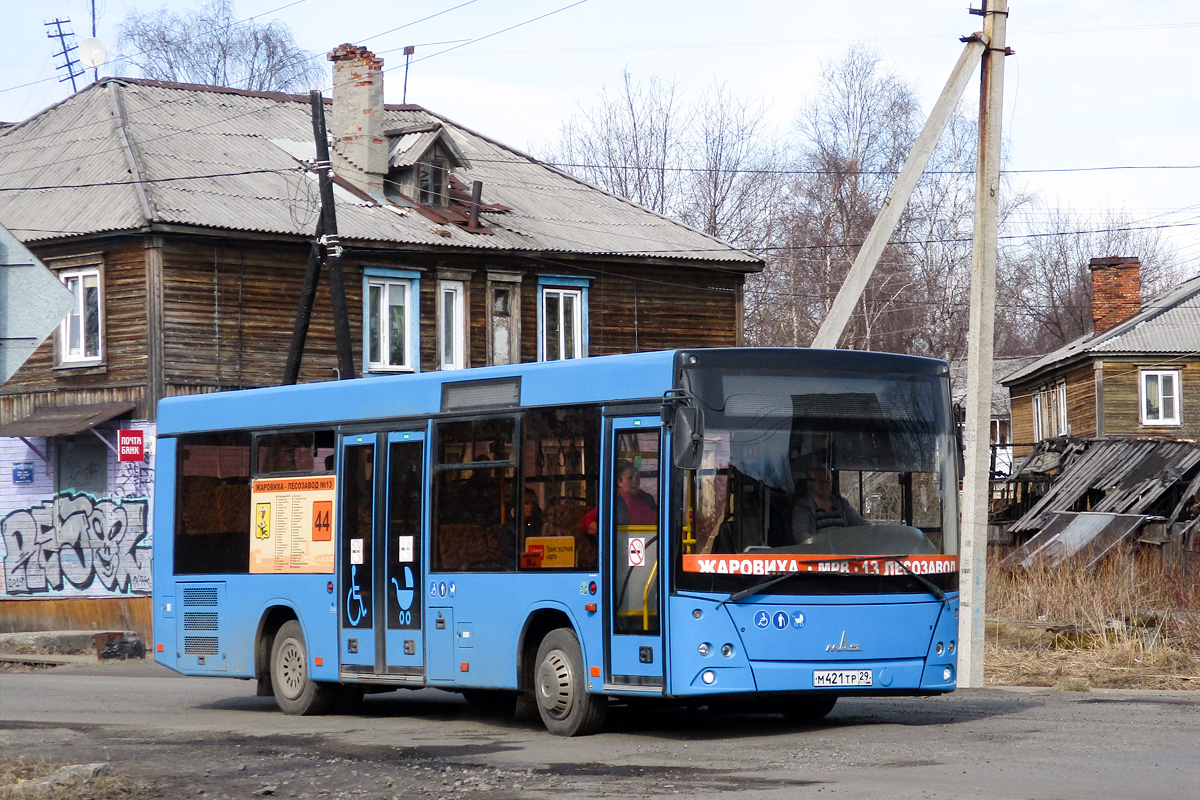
(820, 507)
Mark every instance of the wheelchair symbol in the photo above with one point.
(354, 596)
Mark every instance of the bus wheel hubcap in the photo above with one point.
(291, 670)
(555, 685)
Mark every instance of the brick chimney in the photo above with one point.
(359, 151)
(1116, 291)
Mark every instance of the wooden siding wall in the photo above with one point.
(1081, 401)
(229, 311)
(1081, 405)
(1121, 412)
(80, 614)
(122, 375)
(1021, 402)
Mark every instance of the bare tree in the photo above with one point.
(208, 45)
(855, 135)
(736, 181)
(1046, 284)
(629, 143)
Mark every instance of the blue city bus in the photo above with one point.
(711, 526)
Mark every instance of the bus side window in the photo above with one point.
(212, 525)
(561, 479)
(475, 496)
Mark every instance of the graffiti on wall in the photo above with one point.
(134, 479)
(74, 543)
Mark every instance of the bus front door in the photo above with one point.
(632, 525)
(380, 560)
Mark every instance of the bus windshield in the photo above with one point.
(799, 468)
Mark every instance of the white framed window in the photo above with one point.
(451, 325)
(1159, 397)
(1050, 411)
(391, 326)
(1061, 426)
(81, 334)
(1039, 421)
(562, 318)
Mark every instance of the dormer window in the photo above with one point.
(431, 182)
(420, 160)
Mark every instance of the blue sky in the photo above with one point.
(1089, 87)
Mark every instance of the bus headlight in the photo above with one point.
(951, 647)
(727, 650)
(947, 674)
(704, 649)
(939, 649)
(709, 677)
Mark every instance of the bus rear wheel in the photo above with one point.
(560, 687)
(295, 692)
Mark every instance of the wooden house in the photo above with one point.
(1136, 374)
(181, 217)
(1106, 428)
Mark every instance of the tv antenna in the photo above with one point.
(70, 63)
(408, 51)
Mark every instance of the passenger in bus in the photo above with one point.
(533, 514)
(818, 506)
(633, 506)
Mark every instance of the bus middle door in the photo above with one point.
(633, 522)
(380, 558)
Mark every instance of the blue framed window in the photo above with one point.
(562, 317)
(391, 320)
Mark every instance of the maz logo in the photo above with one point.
(842, 646)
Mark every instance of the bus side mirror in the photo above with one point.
(687, 437)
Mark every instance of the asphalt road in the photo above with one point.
(212, 738)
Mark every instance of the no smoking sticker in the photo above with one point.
(637, 551)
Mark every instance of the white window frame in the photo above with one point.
(1050, 411)
(390, 281)
(1059, 405)
(1176, 418)
(72, 351)
(452, 327)
(557, 288)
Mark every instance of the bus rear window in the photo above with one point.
(212, 531)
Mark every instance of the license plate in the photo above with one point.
(841, 677)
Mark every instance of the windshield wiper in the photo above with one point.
(932, 587)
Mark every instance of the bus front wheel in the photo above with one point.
(560, 686)
(295, 692)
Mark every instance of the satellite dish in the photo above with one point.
(92, 52)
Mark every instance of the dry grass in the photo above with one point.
(1129, 622)
(15, 773)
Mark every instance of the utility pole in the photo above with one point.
(981, 331)
(333, 247)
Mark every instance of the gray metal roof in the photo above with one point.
(227, 159)
(1168, 324)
